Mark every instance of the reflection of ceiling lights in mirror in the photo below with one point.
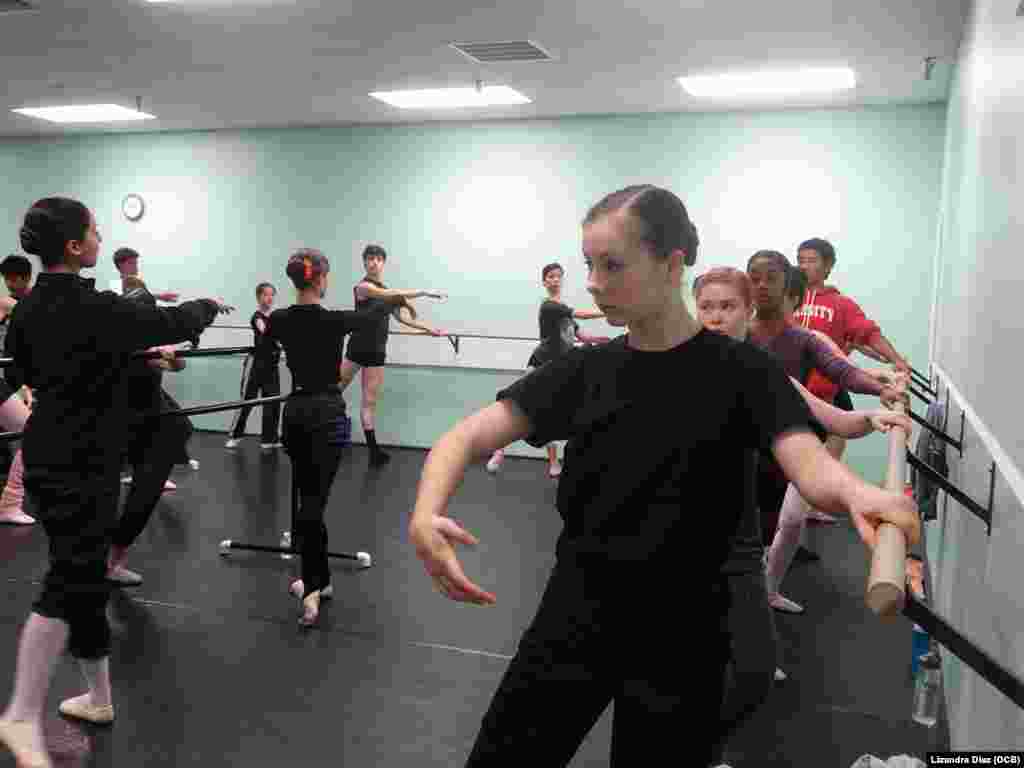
(767, 83)
(84, 113)
(444, 98)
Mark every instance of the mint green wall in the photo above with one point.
(477, 209)
(976, 334)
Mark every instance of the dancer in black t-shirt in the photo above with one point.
(651, 416)
(367, 349)
(316, 428)
(70, 344)
(261, 374)
(559, 333)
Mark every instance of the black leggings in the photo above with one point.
(78, 510)
(591, 645)
(260, 377)
(158, 444)
(316, 433)
(754, 648)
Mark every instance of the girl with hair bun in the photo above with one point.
(315, 427)
(70, 344)
(650, 416)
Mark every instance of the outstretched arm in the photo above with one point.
(851, 424)
(586, 314)
(432, 534)
(406, 316)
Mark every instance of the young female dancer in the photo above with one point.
(13, 414)
(70, 344)
(316, 428)
(261, 374)
(725, 305)
(558, 332)
(799, 351)
(651, 416)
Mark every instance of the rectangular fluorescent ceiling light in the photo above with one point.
(445, 98)
(778, 83)
(85, 113)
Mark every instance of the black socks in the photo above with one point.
(377, 456)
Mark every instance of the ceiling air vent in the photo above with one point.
(490, 53)
(15, 6)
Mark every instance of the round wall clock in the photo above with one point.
(133, 207)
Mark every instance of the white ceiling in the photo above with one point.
(200, 64)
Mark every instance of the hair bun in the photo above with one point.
(31, 241)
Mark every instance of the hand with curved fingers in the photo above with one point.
(223, 308)
(437, 332)
(883, 420)
(434, 538)
(895, 393)
(873, 506)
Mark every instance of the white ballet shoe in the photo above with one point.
(118, 574)
(780, 676)
(170, 485)
(16, 517)
(82, 708)
(297, 589)
(554, 470)
(494, 464)
(310, 610)
(784, 604)
(25, 741)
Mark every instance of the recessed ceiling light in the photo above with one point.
(84, 113)
(442, 98)
(769, 83)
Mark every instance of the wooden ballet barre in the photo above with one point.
(886, 591)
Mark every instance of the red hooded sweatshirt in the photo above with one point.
(841, 319)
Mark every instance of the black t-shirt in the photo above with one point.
(557, 331)
(313, 339)
(265, 349)
(71, 345)
(657, 468)
(375, 335)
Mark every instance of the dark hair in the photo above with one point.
(305, 265)
(664, 223)
(50, 224)
(780, 261)
(374, 250)
(824, 249)
(261, 286)
(551, 268)
(123, 254)
(796, 284)
(16, 265)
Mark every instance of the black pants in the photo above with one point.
(594, 642)
(78, 510)
(262, 377)
(157, 444)
(771, 490)
(316, 433)
(753, 652)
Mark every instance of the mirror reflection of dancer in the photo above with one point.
(367, 348)
(558, 333)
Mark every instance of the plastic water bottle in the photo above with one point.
(919, 646)
(926, 690)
